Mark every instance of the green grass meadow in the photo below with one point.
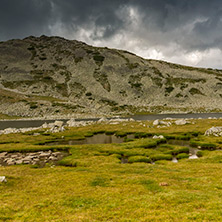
(91, 184)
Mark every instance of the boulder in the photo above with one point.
(174, 160)
(158, 122)
(10, 162)
(44, 155)
(158, 137)
(28, 158)
(26, 161)
(3, 154)
(103, 119)
(18, 162)
(52, 158)
(181, 122)
(71, 123)
(58, 123)
(3, 179)
(10, 130)
(194, 156)
(45, 125)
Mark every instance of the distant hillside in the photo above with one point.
(53, 76)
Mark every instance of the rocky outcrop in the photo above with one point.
(214, 131)
(74, 123)
(39, 158)
(161, 123)
(60, 126)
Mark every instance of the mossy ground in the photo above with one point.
(92, 185)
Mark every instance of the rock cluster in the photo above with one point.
(163, 123)
(115, 121)
(214, 131)
(40, 158)
(59, 126)
(74, 123)
(20, 130)
(158, 137)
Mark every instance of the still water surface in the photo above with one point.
(36, 123)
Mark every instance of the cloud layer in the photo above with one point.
(181, 31)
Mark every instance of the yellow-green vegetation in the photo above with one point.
(4, 116)
(91, 184)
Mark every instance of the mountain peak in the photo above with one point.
(56, 76)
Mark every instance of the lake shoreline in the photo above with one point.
(37, 122)
(79, 118)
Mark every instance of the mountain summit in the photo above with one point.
(42, 76)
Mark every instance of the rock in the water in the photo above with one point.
(103, 119)
(58, 123)
(45, 125)
(3, 179)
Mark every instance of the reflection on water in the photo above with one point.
(107, 139)
(95, 139)
(179, 142)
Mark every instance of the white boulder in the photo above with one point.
(58, 123)
(181, 122)
(3, 179)
(158, 137)
(158, 122)
(103, 119)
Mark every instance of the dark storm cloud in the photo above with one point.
(74, 14)
(33, 17)
(166, 28)
(20, 18)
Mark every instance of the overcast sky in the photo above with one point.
(181, 31)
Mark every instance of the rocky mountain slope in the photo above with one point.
(42, 76)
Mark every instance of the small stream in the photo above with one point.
(95, 139)
(192, 151)
(108, 139)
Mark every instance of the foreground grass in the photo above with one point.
(94, 185)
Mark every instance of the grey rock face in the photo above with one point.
(52, 76)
